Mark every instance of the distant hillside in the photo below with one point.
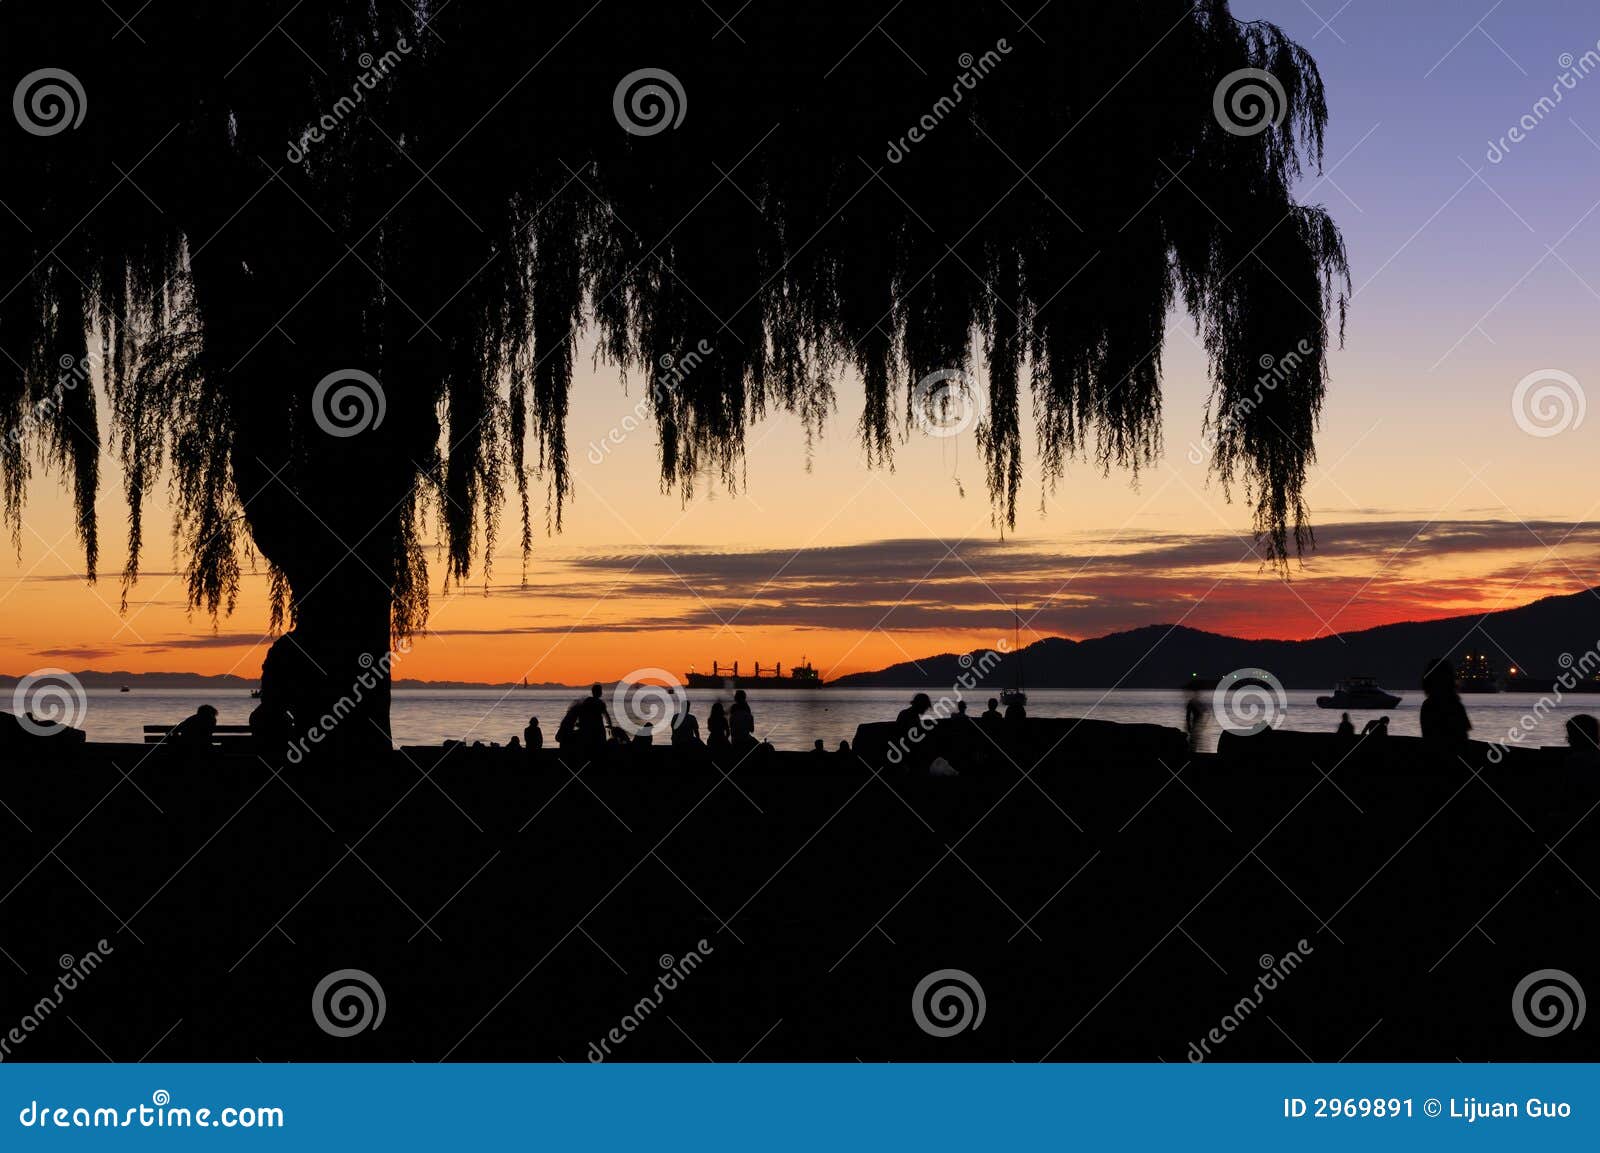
(94, 679)
(1533, 637)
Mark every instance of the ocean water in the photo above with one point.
(793, 719)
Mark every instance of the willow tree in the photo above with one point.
(253, 225)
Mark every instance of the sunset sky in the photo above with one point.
(1429, 498)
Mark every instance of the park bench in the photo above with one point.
(224, 736)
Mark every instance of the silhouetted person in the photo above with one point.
(741, 721)
(194, 733)
(1193, 717)
(514, 743)
(1583, 741)
(1016, 724)
(961, 710)
(686, 730)
(567, 730)
(1376, 727)
(819, 753)
(844, 748)
(1346, 727)
(594, 723)
(645, 737)
(533, 736)
(1444, 717)
(270, 729)
(717, 727)
(910, 717)
(991, 715)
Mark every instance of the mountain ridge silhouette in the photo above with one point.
(1533, 637)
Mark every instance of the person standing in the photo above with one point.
(741, 721)
(1445, 724)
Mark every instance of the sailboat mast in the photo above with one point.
(1016, 639)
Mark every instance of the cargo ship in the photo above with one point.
(721, 676)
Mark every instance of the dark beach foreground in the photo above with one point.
(1120, 901)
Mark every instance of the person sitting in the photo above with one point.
(910, 717)
(844, 749)
(514, 743)
(991, 715)
(567, 730)
(1346, 727)
(195, 732)
(741, 721)
(1376, 727)
(1583, 739)
(532, 736)
(645, 737)
(686, 730)
(717, 726)
(1016, 723)
(270, 729)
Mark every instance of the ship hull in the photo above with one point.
(707, 681)
(1359, 701)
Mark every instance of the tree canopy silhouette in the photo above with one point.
(450, 198)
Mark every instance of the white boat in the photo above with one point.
(1358, 693)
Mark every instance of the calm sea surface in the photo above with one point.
(792, 719)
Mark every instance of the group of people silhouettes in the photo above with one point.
(588, 730)
(1446, 728)
(929, 736)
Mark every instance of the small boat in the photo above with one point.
(125, 689)
(1358, 693)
